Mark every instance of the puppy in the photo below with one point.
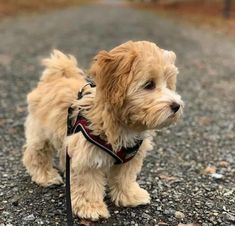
(134, 95)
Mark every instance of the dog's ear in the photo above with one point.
(112, 73)
(169, 56)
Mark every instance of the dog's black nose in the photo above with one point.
(175, 107)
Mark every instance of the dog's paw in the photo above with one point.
(132, 196)
(46, 179)
(90, 210)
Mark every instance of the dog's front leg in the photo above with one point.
(87, 193)
(124, 189)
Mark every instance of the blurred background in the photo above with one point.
(190, 173)
(217, 14)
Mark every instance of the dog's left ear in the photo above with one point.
(112, 73)
(169, 56)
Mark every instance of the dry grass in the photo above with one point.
(15, 7)
(200, 13)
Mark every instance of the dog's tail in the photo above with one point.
(60, 65)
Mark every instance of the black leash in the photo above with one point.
(70, 221)
(67, 183)
(68, 194)
(69, 213)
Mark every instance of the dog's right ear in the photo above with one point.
(100, 59)
(111, 71)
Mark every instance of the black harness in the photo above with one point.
(81, 124)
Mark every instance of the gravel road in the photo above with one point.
(179, 172)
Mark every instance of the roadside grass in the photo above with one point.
(16, 7)
(200, 13)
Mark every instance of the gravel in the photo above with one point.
(174, 173)
(179, 215)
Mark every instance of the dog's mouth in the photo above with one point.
(170, 118)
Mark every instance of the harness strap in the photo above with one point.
(121, 156)
(81, 125)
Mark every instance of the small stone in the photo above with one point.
(9, 225)
(116, 211)
(169, 212)
(132, 214)
(229, 192)
(179, 215)
(15, 201)
(230, 217)
(5, 213)
(146, 216)
(39, 221)
(217, 175)
(31, 217)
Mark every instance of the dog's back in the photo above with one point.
(45, 126)
(56, 91)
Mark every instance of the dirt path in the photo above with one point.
(174, 172)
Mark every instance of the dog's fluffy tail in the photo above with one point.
(60, 65)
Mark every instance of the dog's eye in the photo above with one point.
(150, 85)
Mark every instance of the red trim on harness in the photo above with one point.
(121, 156)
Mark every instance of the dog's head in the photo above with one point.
(137, 80)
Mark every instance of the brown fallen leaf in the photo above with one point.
(186, 224)
(161, 223)
(87, 222)
(20, 109)
(199, 64)
(167, 178)
(2, 121)
(210, 169)
(204, 121)
(224, 164)
(5, 59)
(11, 130)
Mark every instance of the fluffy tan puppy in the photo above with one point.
(134, 95)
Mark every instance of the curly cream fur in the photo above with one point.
(120, 110)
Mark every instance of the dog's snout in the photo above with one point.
(175, 107)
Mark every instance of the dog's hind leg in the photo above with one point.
(124, 189)
(37, 157)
